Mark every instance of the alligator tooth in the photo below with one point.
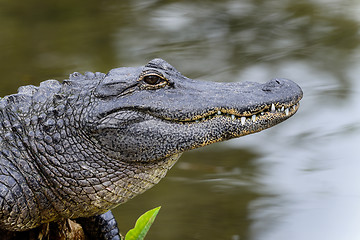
(282, 108)
(286, 111)
(243, 119)
(197, 121)
(232, 116)
(219, 113)
(294, 107)
(253, 118)
(272, 107)
(262, 113)
(203, 119)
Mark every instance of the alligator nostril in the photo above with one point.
(273, 84)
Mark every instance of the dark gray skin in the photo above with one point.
(79, 148)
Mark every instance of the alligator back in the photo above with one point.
(22, 186)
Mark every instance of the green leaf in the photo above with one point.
(142, 225)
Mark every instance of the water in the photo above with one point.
(295, 181)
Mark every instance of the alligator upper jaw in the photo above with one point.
(277, 98)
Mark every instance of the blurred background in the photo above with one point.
(298, 180)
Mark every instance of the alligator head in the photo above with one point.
(153, 112)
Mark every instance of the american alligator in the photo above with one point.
(74, 150)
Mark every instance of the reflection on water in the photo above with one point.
(295, 181)
(206, 196)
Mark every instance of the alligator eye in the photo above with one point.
(152, 79)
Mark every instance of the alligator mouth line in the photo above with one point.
(275, 111)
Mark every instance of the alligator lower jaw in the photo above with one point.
(270, 112)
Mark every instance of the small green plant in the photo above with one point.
(142, 225)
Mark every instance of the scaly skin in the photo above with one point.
(79, 148)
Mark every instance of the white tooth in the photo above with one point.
(262, 113)
(203, 119)
(253, 118)
(232, 116)
(243, 119)
(282, 108)
(286, 111)
(219, 113)
(294, 107)
(197, 121)
(272, 108)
